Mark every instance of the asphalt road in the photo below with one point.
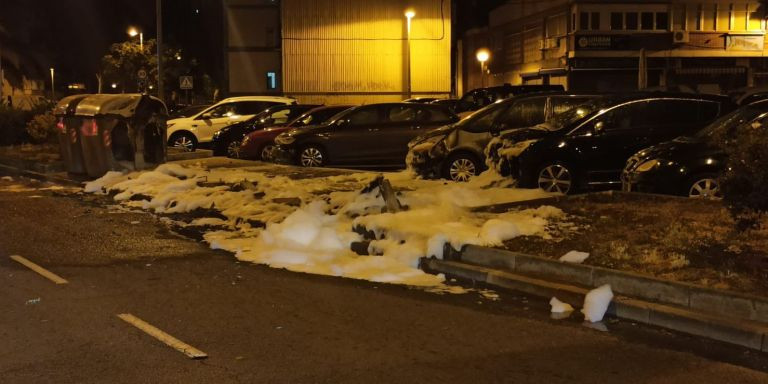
(262, 325)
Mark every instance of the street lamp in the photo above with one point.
(53, 86)
(132, 32)
(482, 56)
(409, 14)
(114, 85)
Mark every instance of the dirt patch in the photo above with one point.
(680, 239)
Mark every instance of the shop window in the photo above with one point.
(646, 20)
(631, 18)
(617, 21)
(583, 21)
(595, 22)
(662, 20)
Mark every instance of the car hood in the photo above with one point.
(523, 134)
(441, 131)
(270, 131)
(179, 120)
(678, 149)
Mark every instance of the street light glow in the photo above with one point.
(114, 85)
(132, 31)
(410, 13)
(483, 55)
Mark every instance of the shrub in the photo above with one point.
(745, 183)
(42, 127)
(12, 123)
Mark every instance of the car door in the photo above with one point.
(399, 126)
(602, 145)
(352, 140)
(213, 120)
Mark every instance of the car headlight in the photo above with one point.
(245, 140)
(169, 125)
(432, 140)
(284, 139)
(647, 166)
(216, 135)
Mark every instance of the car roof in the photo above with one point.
(279, 99)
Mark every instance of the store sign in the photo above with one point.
(594, 42)
(744, 43)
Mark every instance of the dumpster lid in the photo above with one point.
(111, 104)
(67, 105)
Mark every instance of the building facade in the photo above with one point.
(710, 46)
(339, 51)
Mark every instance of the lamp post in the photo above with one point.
(132, 32)
(409, 14)
(53, 86)
(482, 56)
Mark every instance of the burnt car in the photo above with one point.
(374, 135)
(226, 142)
(588, 146)
(456, 152)
(481, 97)
(690, 165)
(258, 145)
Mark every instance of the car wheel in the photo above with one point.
(461, 167)
(266, 152)
(311, 156)
(183, 140)
(704, 187)
(233, 149)
(556, 177)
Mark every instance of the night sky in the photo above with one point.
(73, 35)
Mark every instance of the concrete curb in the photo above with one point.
(745, 333)
(689, 296)
(55, 178)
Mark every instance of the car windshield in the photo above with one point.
(476, 115)
(575, 114)
(726, 123)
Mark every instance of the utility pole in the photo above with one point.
(159, 16)
(2, 77)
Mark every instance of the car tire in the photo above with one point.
(556, 177)
(183, 140)
(461, 167)
(704, 187)
(265, 154)
(312, 156)
(233, 149)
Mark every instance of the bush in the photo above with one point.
(12, 122)
(745, 183)
(42, 127)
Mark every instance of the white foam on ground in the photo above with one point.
(559, 306)
(596, 303)
(316, 236)
(575, 257)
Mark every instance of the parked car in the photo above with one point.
(455, 106)
(588, 146)
(690, 165)
(456, 152)
(226, 142)
(187, 110)
(189, 132)
(422, 100)
(258, 145)
(374, 135)
(480, 97)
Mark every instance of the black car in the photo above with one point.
(690, 165)
(226, 142)
(374, 135)
(480, 97)
(588, 146)
(456, 152)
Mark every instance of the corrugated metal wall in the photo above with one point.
(339, 51)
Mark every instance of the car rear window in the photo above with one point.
(525, 113)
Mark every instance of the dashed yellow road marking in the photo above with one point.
(169, 340)
(40, 270)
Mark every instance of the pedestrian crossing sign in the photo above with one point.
(185, 82)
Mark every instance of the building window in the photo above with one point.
(662, 20)
(700, 18)
(271, 80)
(646, 20)
(632, 21)
(617, 21)
(584, 21)
(595, 22)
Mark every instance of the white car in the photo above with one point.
(188, 132)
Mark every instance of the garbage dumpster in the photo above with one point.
(68, 127)
(119, 132)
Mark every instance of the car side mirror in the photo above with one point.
(599, 128)
(342, 123)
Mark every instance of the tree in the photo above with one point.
(122, 63)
